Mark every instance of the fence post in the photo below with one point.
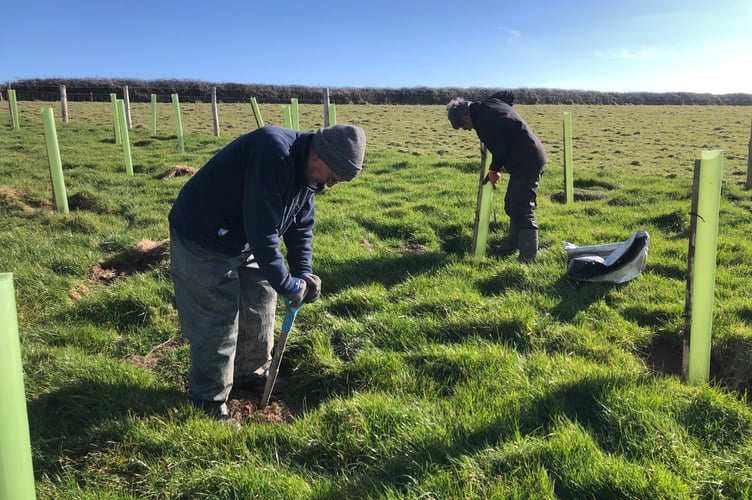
(215, 113)
(64, 103)
(326, 107)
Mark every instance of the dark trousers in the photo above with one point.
(226, 311)
(520, 200)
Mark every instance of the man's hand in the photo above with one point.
(493, 176)
(313, 288)
(297, 298)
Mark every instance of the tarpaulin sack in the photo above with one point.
(612, 262)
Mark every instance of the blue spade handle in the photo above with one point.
(289, 316)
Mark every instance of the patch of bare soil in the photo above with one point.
(410, 247)
(580, 195)
(180, 171)
(156, 353)
(21, 200)
(147, 254)
(244, 405)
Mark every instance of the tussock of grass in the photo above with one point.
(422, 372)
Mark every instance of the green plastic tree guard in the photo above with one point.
(154, 114)
(16, 467)
(125, 137)
(14, 108)
(286, 116)
(483, 206)
(178, 122)
(332, 114)
(295, 113)
(256, 113)
(703, 270)
(56, 165)
(568, 165)
(115, 120)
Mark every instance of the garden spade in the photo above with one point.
(279, 349)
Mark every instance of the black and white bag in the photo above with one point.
(612, 262)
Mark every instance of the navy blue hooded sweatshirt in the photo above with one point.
(513, 145)
(255, 190)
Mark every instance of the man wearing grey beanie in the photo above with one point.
(515, 148)
(226, 227)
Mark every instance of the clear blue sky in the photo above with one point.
(606, 45)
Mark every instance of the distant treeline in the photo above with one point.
(197, 91)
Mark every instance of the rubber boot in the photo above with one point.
(528, 245)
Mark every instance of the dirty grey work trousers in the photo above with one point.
(226, 311)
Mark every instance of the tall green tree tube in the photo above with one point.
(286, 116)
(178, 122)
(125, 137)
(703, 271)
(13, 108)
(568, 166)
(56, 165)
(295, 113)
(483, 207)
(332, 114)
(115, 120)
(257, 113)
(154, 114)
(16, 467)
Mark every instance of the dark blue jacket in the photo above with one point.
(512, 143)
(254, 191)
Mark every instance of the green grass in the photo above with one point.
(423, 372)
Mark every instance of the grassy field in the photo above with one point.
(422, 372)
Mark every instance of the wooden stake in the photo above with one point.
(326, 107)
(215, 114)
(64, 103)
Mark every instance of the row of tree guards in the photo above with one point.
(290, 112)
(16, 471)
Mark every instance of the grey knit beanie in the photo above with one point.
(342, 148)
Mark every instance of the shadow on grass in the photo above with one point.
(577, 296)
(72, 421)
(674, 272)
(388, 270)
(578, 401)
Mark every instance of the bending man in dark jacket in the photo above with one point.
(515, 148)
(227, 268)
